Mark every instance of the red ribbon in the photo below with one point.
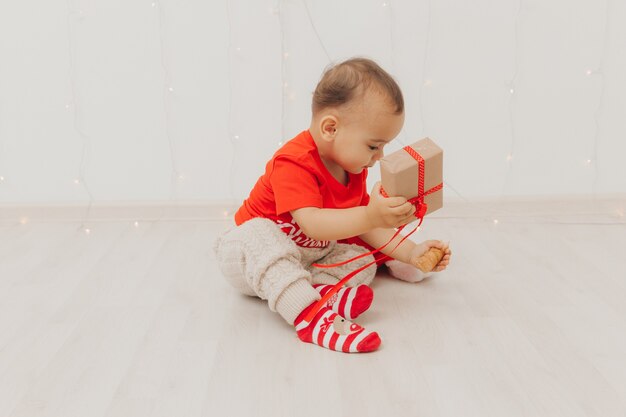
(421, 208)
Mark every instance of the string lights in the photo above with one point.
(319, 40)
(232, 137)
(314, 28)
(391, 22)
(75, 15)
(284, 55)
(596, 115)
(425, 82)
(72, 15)
(176, 176)
(511, 86)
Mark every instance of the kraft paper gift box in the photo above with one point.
(400, 173)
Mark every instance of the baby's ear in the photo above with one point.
(328, 127)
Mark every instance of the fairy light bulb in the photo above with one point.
(87, 230)
(76, 181)
(136, 224)
(23, 220)
(495, 221)
(1, 178)
(509, 157)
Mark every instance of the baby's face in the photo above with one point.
(365, 130)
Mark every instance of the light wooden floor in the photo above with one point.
(529, 320)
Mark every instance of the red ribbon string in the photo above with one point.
(420, 212)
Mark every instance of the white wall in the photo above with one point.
(84, 92)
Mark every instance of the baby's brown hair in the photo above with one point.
(340, 84)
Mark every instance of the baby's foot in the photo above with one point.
(330, 330)
(348, 302)
(406, 272)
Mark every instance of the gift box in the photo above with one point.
(416, 173)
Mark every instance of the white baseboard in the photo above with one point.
(122, 211)
(605, 206)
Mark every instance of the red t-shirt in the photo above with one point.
(294, 178)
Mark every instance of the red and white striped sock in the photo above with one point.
(349, 302)
(330, 330)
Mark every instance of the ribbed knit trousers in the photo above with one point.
(259, 259)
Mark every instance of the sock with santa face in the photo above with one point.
(328, 329)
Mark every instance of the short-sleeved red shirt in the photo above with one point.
(294, 178)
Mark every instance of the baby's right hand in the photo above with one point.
(388, 212)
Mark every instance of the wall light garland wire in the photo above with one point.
(387, 5)
(72, 15)
(600, 72)
(512, 86)
(283, 58)
(425, 82)
(168, 90)
(317, 35)
(233, 138)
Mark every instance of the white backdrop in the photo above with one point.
(148, 100)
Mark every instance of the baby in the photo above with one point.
(311, 206)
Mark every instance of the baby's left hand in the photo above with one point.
(423, 247)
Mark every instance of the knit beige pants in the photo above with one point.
(259, 259)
